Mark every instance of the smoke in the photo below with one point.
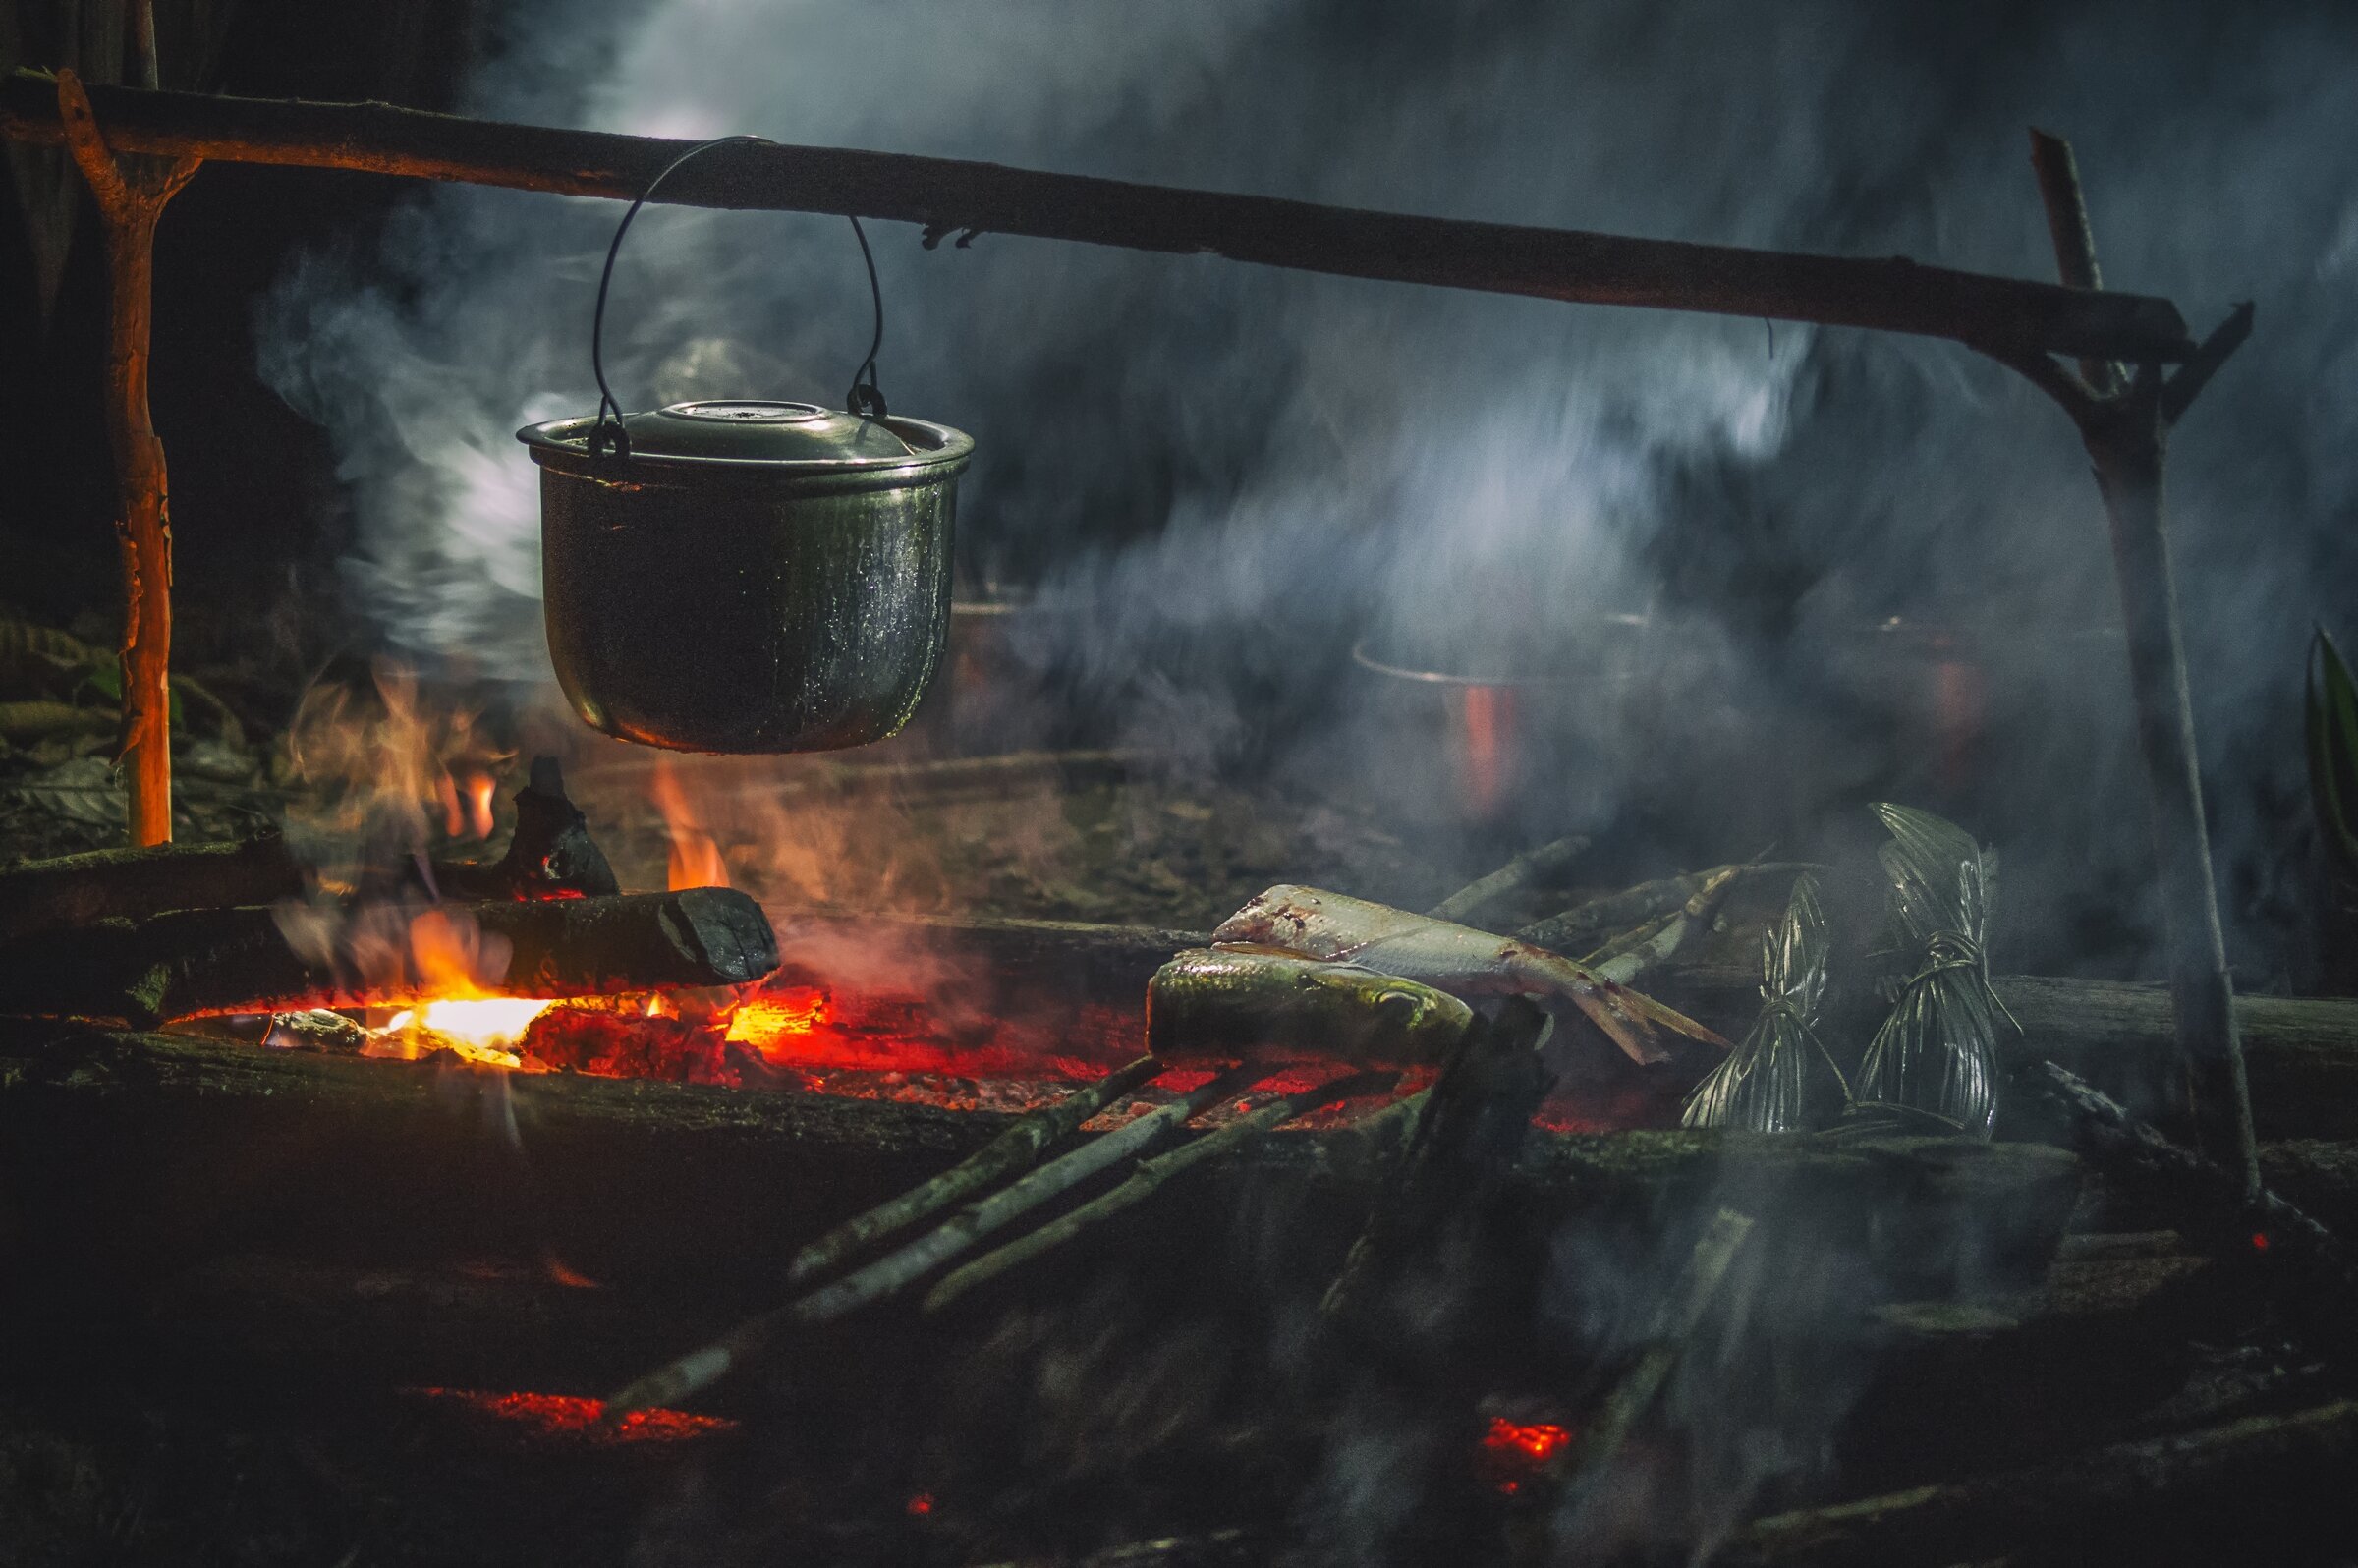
(1220, 478)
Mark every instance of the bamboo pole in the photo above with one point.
(949, 195)
(130, 193)
(699, 1370)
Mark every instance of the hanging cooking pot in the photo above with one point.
(746, 575)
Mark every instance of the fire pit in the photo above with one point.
(475, 1229)
(418, 1206)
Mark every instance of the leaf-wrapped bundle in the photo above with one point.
(1777, 1078)
(1937, 1051)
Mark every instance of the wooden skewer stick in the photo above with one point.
(1521, 871)
(131, 192)
(700, 1369)
(1012, 1150)
(1150, 1177)
(1642, 902)
(2125, 427)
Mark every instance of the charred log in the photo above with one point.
(2266, 1489)
(134, 883)
(217, 961)
(549, 855)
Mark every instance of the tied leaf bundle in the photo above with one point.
(1772, 1080)
(1937, 1051)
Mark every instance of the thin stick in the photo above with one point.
(1151, 1176)
(1012, 1150)
(1521, 871)
(700, 1369)
(2105, 1130)
(1715, 1251)
(1634, 904)
(947, 195)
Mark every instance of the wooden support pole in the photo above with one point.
(2124, 423)
(947, 195)
(130, 193)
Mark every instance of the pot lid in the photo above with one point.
(749, 430)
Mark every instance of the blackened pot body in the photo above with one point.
(719, 606)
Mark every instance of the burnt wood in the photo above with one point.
(2266, 1489)
(216, 961)
(549, 854)
(947, 195)
(132, 883)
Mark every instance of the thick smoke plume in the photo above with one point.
(1225, 475)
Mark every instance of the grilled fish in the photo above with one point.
(1261, 1005)
(1457, 959)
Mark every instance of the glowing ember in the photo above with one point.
(1534, 1441)
(920, 1505)
(776, 1024)
(1515, 1452)
(571, 1418)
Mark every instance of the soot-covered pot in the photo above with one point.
(746, 576)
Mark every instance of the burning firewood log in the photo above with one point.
(550, 855)
(216, 961)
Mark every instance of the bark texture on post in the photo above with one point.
(130, 193)
(2124, 423)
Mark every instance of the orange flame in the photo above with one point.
(480, 787)
(446, 955)
(695, 860)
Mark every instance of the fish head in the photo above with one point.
(1277, 917)
(1411, 1021)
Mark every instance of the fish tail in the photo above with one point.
(1635, 1041)
(1645, 1010)
(1628, 1018)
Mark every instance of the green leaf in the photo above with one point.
(2333, 737)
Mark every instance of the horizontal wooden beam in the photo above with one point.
(948, 196)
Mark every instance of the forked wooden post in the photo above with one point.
(131, 192)
(2124, 417)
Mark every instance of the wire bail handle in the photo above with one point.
(864, 398)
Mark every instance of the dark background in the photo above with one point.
(258, 517)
